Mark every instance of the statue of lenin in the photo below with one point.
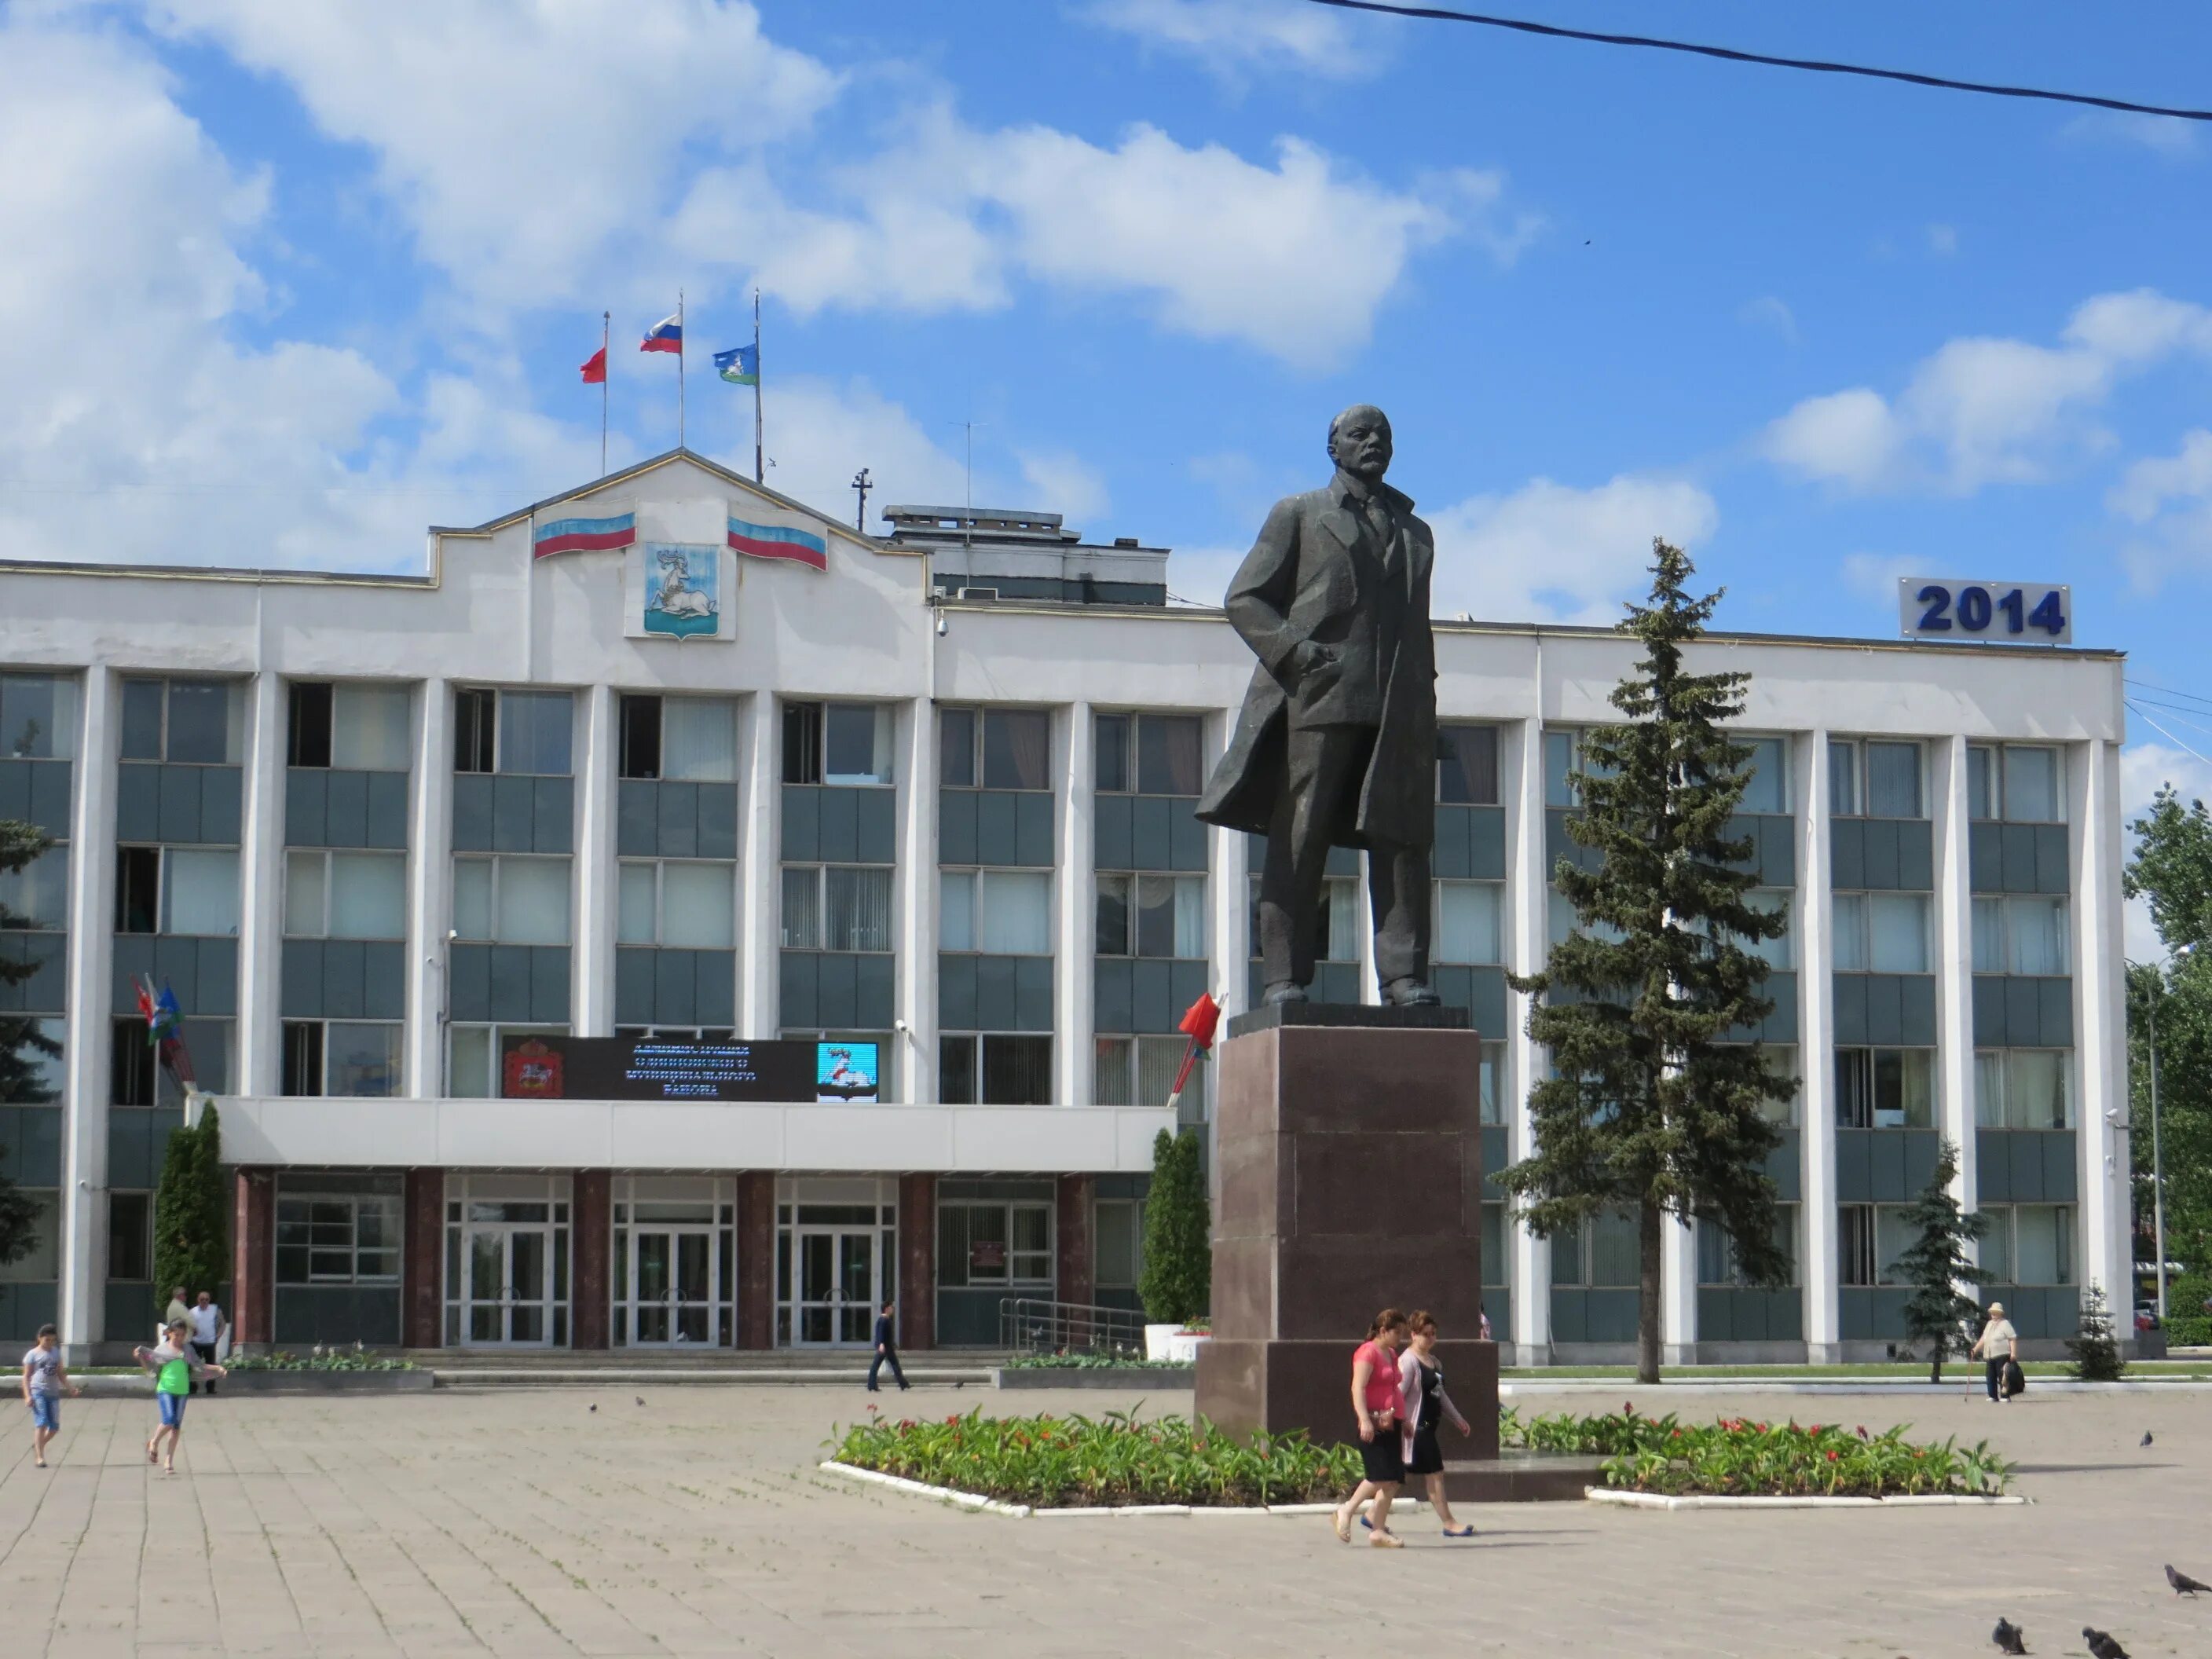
(1336, 744)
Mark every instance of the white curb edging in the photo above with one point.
(1652, 1500)
(970, 1500)
(966, 1500)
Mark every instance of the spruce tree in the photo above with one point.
(191, 1228)
(25, 1051)
(1647, 1109)
(1936, 1264)
(1177, 1280)
(2096, 1351)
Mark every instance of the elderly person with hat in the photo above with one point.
(1997, 1345)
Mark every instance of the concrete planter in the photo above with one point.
(265, 1382)
(1093, 1376)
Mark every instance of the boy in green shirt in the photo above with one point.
(175, 1368)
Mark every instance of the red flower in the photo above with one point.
(952, 1419)
(1831, 1458)
(1862, 1433)
(1815, 1429)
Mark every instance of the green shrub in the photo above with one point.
(319, 1358)
(192, 1222)
(2096, 1349)
(1176, 1282)
(1090, 1362)
(2191, 1333)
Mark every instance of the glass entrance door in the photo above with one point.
(839, 1287)
(673, 1290)
(509, 1293)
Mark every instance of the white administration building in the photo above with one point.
(626, 762)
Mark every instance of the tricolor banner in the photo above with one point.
(777, 541)
(582, 535)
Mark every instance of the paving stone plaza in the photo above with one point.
(524, 1522)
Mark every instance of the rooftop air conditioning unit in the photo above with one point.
(977, 594)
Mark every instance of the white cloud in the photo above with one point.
(820, 433)
(2162, 134)
(2145, 767)
(1769, 312)
(1063, 483)
(1551, 552)
(2148, 485)
(1232, 36)
(1876, 574)
(2168, 500)
(1984, 411)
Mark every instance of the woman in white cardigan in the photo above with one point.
(1422, 1380)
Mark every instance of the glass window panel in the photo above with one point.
(1988, 1089)
(43, 1262)
(956, 911)
(1168, 755)
(1158, 1060)
(1559, 769)
(638, 729)
(956, 1070)
(36, 896)
(1110, 753)
(37, 1050)
(1768, 788)
(955, 748)
(472, 898)
(1017, 749)
(202, 723)
(2043, 1243)
(1339, 941)
(1016, 919)
(1892, 779)
(1842, 779)
(1567, 1253)
(636, 908)
(1995, 1251)
(1849, 927)
(142, 719)
(369, 728)
(1017, 1071)
(1780, 1106)
(305, 894)
(988, 1243)
(698, 739)
(802, 743)
(1466, 920)
(534, 733)
(533, 901)
(856, 908)
(1110, 1072)
(1155, 915)
(1032, 1228)
(1117, 1232)
(2031, 785)
(1776, 952)
(37, 717)
(2039, 1089)
(1854, 1088)
(200, 890)
(1466, 765)
(802, 907)
(1989, 936)
(1113, 916)
(1491, 1099)
(1893, 1237)
(2035, 931)
(699, 906)
(369, 895)
(362, 1060)
(1615, 1253)
(1190, 916)
(1897, 927)
(856, 742)
(1559, 915)
(1981, 791)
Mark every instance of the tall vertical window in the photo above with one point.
(1768, 791)
(682, 739)
(838, 743)
(37, 717)
(1469, 926)
(353, 728)
(1880, 932)
(686, 904)
(1140, 1071)
(35, 898)
(177, 889)
(994, 748)
(836, 907)
(1873, 779)
(994, 1069)
(352, 1059)
(1886, 1088)
(1002, 913)
(2027, 1243)
(1466, 765)
(2024, 1089)
(2020, 783)
(2021, 935)
(511, 899)
(184, 722)
(1148, 916)
(1718, 1263)
(331, 895)
(1871, 1239)
(1148, 755)
(529, 733)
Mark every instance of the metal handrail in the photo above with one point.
(1028, 1327)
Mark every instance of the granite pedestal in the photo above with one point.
(1351, 1180)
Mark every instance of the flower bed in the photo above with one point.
(1738, 1457)
(1089, 1362)
(318, 1358)
(1114, 1462)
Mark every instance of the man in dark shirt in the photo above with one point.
(887, 1348)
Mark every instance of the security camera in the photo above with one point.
(940, 628)
(898, 1025)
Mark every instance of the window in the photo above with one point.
(2028, 1243)
(1559, 917)
(836, 907)
(1874, 779)
(1775, 952)
(683, 740)
(1561, 764)
(35, 898)
(337, 1237)
(2018, 782)
(1469, 921)
(475, 723)
(1886, 1088)
(838, 743)
(177, 889)
(1466, 765)
(684, 904)
(2024, 1089)
(1149, 915)
(994, 748)
(1602, 1253)
(1118, 1241)
(1491, 1102)
(351, 1059)
(1880, 932)
(1149, 754)
(1140, 1071)
(1717, 1256)
(1337, 938)
(136, 1077)
(993, 1070)
(330, 895)
(354, 728)
(34, 1047)
(999, 912)
(510, 899)
(528, 733)
(42, 1264)
(472, 1057)
(131, 1235)
(989, 1243)
(37, 717)
(1780, 1106)
(2026, 935)
(1870, 1238)
(185, 722)
(1768, 791)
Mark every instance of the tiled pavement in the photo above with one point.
(524, 1524)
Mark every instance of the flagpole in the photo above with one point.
(759, 473)
(604, 317)
(679, 368)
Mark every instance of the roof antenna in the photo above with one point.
(861, 487)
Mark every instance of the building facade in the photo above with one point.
(661, 774)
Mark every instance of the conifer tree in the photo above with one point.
(2096, 1351)
(1938, 1313)
(1647, 1109)
(1177, 1282)
(25, 1051)
(191, 1224)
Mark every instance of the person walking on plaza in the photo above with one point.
(1996, 1344)
(887, 1348)
(175, 1367)
(1378, 1399)
(1421, 1380)
(45, 1376)
(208, 1327)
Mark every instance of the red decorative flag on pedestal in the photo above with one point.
(1198, 1025)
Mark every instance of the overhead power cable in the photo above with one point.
(2162, 732)
(1731, 55)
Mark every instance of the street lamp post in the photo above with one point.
(2157, 1152)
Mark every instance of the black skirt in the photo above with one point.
(1381, 1459)
(1428, 1457)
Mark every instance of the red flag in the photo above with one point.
(1200, 1019)
(595, 367)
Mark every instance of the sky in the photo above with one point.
(284, 285)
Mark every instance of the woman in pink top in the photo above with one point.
(1379, 1402)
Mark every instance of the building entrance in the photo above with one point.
(836, 1259)
(840, 1285)
(673, 1292)
(507, 1261)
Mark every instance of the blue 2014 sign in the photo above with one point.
(1936, 608)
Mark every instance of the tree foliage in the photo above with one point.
(2096, 1351)
(1651, 1108)
(1177, 1280)
(192, 1222)
(2172, 869)
(1937, 1263)
(26, 1053)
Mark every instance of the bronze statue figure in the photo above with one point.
(1336, 744)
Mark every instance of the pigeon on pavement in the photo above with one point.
(2006, 1637)
(595, 1405)
(2145, 1441)
(2101, 1643)
(2183, 1584)
(639, 1398)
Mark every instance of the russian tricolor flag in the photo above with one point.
(777, 541)
(583, 535)
(667, 335)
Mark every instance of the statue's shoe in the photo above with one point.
(1413, 994)
(1285, 991)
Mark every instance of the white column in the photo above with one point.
(1521, 782)
(2092, 809)
(261, 892)
(430, 886)
(83, 1195)
(1074, 988)
(1954, 958)
(1816, 1055)
(592, 942)
(1678, 1292)
(917, 883)
(761, 814)
(1229, 856)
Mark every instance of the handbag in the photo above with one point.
(2015, 1380)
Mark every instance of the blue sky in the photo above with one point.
(286, 283)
